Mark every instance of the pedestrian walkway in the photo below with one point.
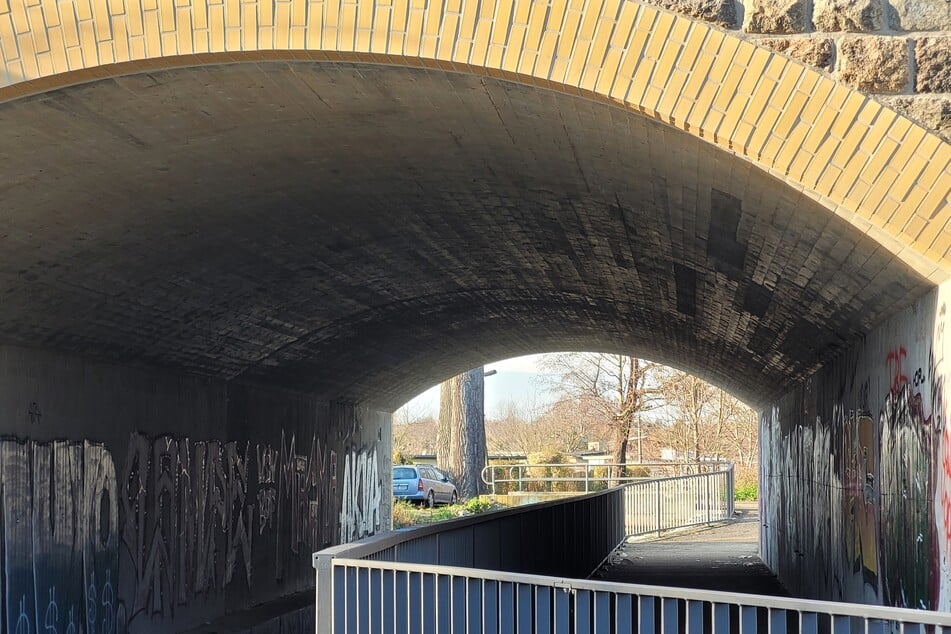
(723, 556)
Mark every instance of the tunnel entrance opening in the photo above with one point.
(234, 271)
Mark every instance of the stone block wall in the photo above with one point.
(898, 51)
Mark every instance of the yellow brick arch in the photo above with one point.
(886, 175)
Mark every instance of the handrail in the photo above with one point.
(525, 475)
(491, 570)
(835, 608)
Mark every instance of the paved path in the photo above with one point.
(724, 556)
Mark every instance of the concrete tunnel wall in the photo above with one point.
(856, 469)
(135, 500)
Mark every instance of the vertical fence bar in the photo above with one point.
(523, 609)
(670, 613)
(415, 602)
(443, 602)
(506, 608)
(721, 618)
(429, 603)
(562, 611)
(401, 598)
(694, 615)
(474, 606)
(582, 612)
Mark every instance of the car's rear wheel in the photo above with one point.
(431, 500)
(454, 498)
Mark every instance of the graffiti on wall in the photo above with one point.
(362, 494)
(861, 457)
(888, 520)
(60, 538)
(180, 519)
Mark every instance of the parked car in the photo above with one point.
(424, 484)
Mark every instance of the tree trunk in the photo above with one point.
(461, 444)
(447, 413)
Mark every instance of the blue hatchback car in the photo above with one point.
(423, 483)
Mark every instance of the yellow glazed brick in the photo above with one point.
(38, 29)
(414, 32)
(625, 26)
(168, 41)
(513, 49)
(503, 19)
(21, 21)
(763, 129)
(433, 18)
(577, 63)
(521, 12)
(216, 20)
(400, 16)
(589, 20)
(467, 26)
(536, 27)
(447, 36)
(914, 227)
(569, 32)
(51, 13)
(673, 92)
(935, 204)
(693, 42)
(857, 194)
(753, 75)
(726, 92)
(941, 247)
(480, 47)
(526, 63)
(658, 37)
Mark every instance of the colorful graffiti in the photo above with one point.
(181, 520)
(877, 418)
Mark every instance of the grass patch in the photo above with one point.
(407, 514)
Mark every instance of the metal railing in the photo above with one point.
(667, 503)
(520, 571)
(376, 597)
(585, 477)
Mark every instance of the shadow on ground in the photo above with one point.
(722, 556)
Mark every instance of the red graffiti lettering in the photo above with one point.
(946, 452)
(946, 506)
(894, 361)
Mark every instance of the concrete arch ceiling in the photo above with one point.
(364, 231)
(361, 228)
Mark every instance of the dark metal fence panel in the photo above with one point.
(567, 538)
(383, 597)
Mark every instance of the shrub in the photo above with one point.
(746, 485)
(746, 492)
(404, 514)
(478, 505)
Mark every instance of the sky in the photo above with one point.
(517, 379)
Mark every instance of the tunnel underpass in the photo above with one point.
(220, 276)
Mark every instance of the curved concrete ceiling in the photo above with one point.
(863, 162)
(365, 231)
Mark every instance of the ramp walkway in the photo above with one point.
(723, 556)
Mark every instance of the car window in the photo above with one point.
(403, 473)
(427, 473)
